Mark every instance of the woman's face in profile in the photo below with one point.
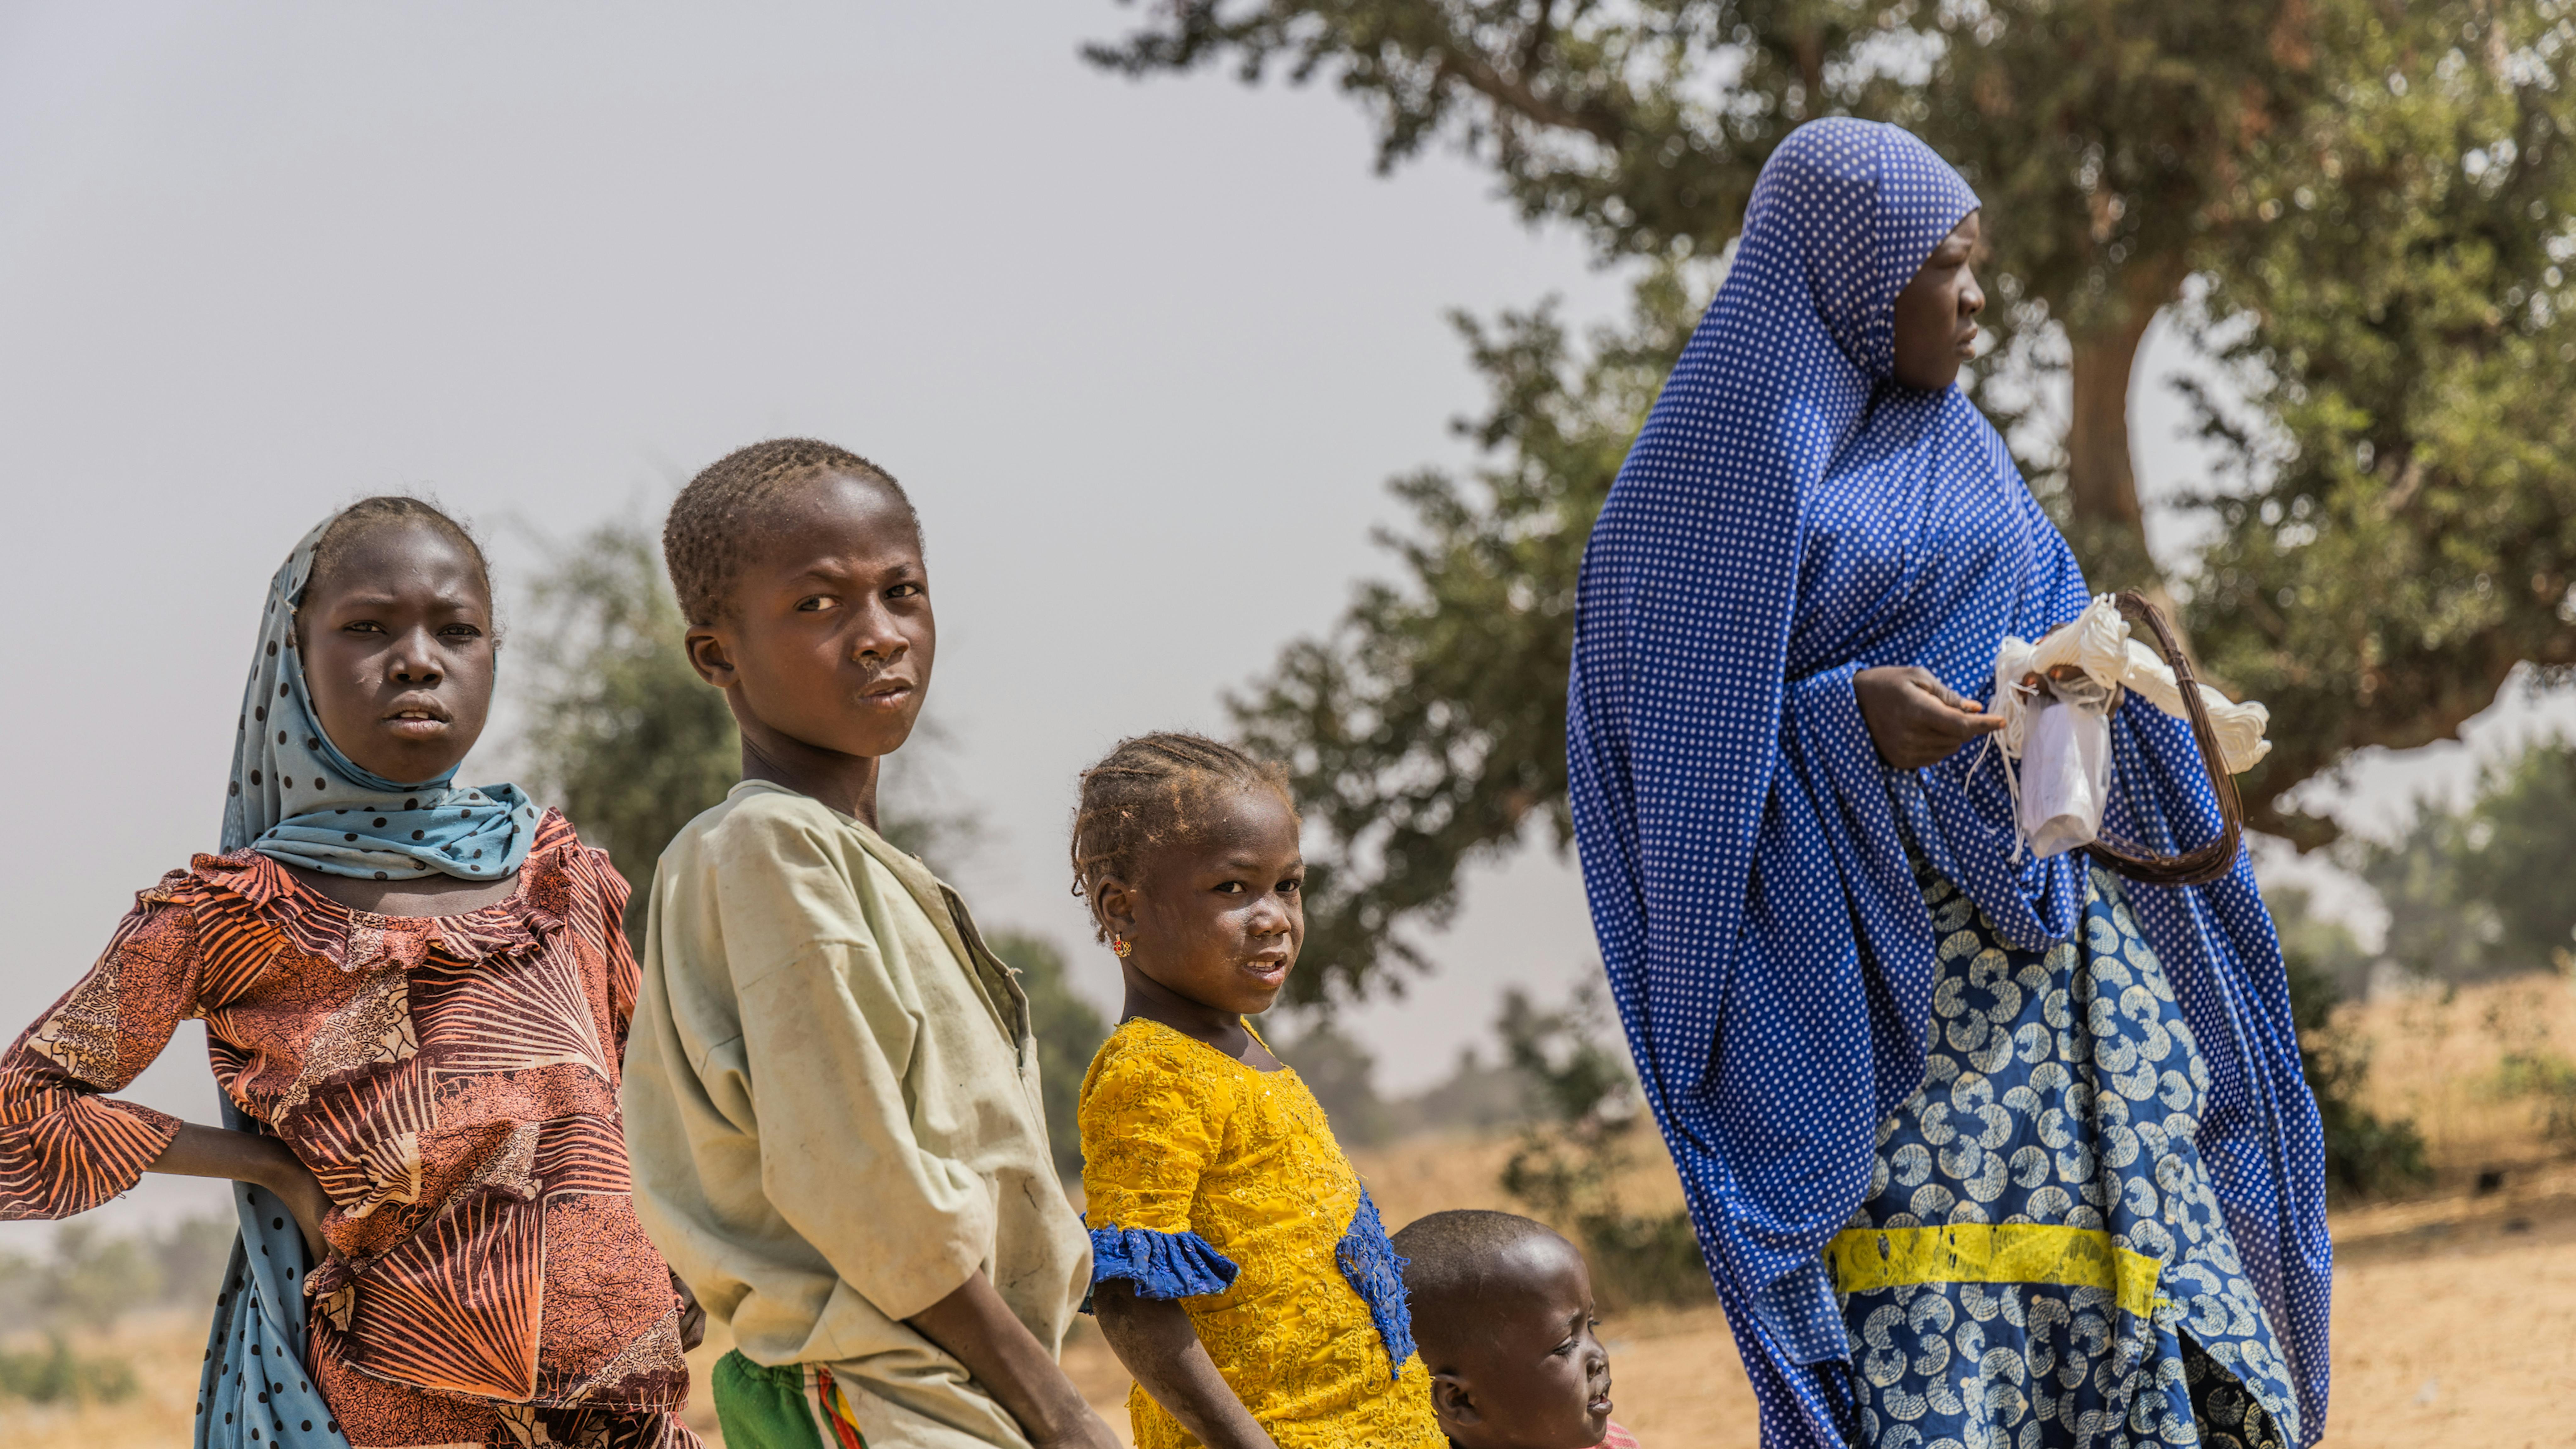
(1936, 314)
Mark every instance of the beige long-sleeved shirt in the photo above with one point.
(831, 1102)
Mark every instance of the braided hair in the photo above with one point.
(709, 533)
(1151, 791)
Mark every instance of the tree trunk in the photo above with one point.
(2105, 522)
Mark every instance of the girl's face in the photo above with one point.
(1218, 917)
(397, 645)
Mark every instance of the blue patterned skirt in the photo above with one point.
(2041, 1262)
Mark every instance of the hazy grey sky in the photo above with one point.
(1143, 354)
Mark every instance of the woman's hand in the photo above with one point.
(1914, 719)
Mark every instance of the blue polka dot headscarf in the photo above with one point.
(296, 798)
(1789, 516)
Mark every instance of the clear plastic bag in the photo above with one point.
(2065, 767)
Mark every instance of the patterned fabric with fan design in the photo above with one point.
(452, 1081)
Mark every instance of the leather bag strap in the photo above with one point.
(2218, 857)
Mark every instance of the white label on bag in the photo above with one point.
(2065, 776)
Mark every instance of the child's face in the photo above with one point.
(397, 649)
(1525, 1368)
(1218, 917)
(829, 637)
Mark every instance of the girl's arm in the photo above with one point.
(196, 1151)
(980, 1331)
(66, 1147)
(1154, 1339)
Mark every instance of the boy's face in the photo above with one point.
(1521, 1367)
(829, 637)
(1218, 916)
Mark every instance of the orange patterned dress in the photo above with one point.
(451, 1080)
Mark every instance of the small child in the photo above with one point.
(1503, 1308)
(1240, 1270)
(832, 1093)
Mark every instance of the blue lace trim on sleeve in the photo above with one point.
(1161, 1265)
(1369, 1261)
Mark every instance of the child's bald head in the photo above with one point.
(1502, 1309)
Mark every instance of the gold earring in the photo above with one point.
(1121, 945)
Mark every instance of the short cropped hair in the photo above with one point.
(370, 516)
(1453, 1255)
(707, 536)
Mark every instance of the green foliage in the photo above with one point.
(1642, 124)
(2483, 890)
(1429, 729)
(94, 1278)
(90, 1279)
(2376, 198)
(59, 1376)
(2549, 1079)
(2365, 1153)
(1340, 1072)
(1474, 1097)
(2401, 533)
(1569, 1165)
(623, 736)
(2102, 136)
(1068, 1028)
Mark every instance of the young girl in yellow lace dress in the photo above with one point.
(1239, 1268)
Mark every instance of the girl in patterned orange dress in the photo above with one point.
(416, 996)
(1239, 1268)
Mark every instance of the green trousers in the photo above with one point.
(792, 1406)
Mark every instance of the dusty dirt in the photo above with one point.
(2455, 1324)
(2454, 1317)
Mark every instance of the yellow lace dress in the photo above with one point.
(1221, 1186)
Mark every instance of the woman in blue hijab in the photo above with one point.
(1981, 1148)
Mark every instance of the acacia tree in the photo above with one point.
(2400, 536)
(2107, 139)
(2374, 198)
(1430, 728)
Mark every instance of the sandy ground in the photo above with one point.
(2454, 1315)
(2454, 1324)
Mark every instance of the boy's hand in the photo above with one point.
(1090, 1433)
(693, 1318)
(980, 1331)
(1914, 719)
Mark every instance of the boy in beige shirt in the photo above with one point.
(831, 1092)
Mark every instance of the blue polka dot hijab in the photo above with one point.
(295, 798)
(1788, 516)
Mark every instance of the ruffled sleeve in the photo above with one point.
(1161, 1265)
(66, 1147)
(1152, 1121)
